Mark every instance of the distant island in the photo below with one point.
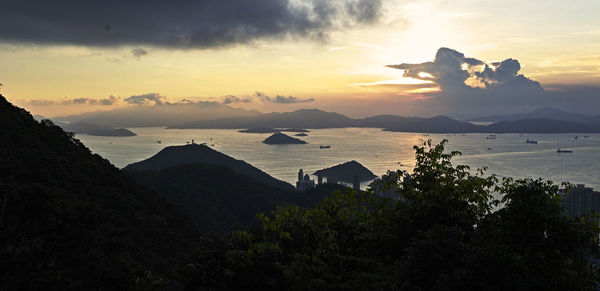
(301, 134)
(295, 130)
(280, 138)
(347, 172)
(260, 130)
(95, 129)
(272, 130)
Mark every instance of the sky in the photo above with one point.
(356, 57)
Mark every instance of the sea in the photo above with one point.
(508, 155)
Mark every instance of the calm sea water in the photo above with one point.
(376, 149)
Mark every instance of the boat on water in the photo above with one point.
(491, 136)
(531, 141)
(324, 147)
(559, 150)
(489, 149)
(159, 141)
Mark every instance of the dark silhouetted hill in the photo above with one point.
(280, 138)
(96, 129)
(219, 199)
(195, 153)
(347, 171)
(71, 220)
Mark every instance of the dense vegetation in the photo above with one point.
(219, 199)
(71, 220)
(444, 231)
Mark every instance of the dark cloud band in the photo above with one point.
(180, 23)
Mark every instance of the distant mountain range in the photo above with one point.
(545, 113)
(158, 115)
(314, 118)
(303, 118)
(213, 115)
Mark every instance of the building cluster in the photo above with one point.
(581, 200)
(304, 182)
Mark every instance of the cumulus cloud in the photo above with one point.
(138, 52)
(181, 24)
(468, 84)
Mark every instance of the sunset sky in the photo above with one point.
(64, 58)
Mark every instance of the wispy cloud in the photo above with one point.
(282, 99)
(138, 52)
(262, 97)
(229, 99)
(89, 101)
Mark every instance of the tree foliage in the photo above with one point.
(442, 231)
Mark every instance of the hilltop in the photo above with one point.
(280, 138)
(347, 171)
(194, 154)
(299, 119)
